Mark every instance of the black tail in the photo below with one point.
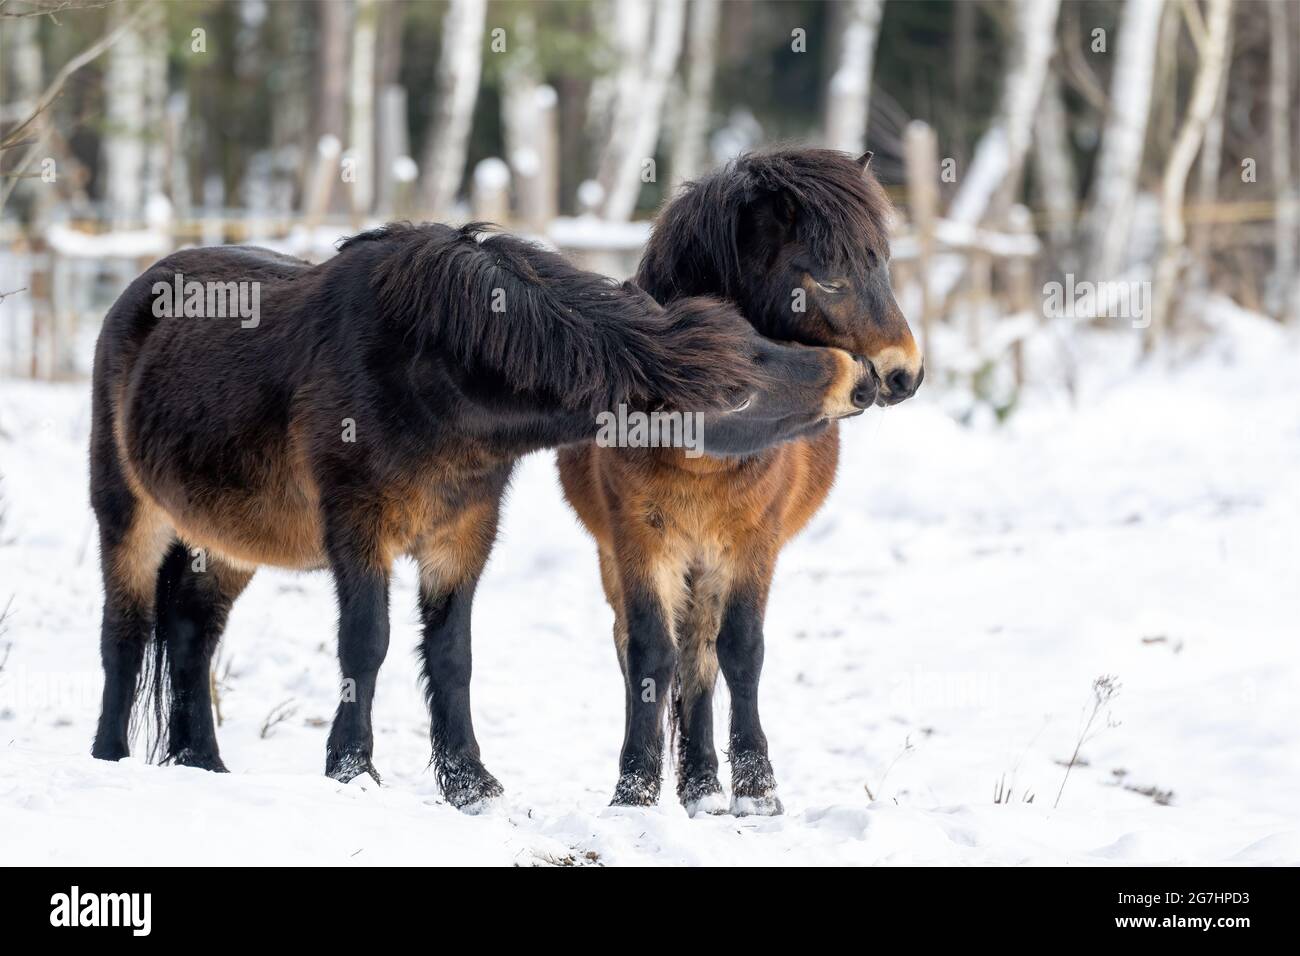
(153, 695)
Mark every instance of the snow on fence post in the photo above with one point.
(405, 171)
(490, 196)
(213, 227)
(921, 154)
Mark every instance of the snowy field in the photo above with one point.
(935, 631)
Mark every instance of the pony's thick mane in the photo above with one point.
(503, 304)
(841, 215)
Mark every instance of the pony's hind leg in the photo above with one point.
(740, 653)
(445, 651)
(697, 760)
(450, 564)
(195, 593)
(133, 537)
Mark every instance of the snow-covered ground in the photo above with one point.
(935, 631)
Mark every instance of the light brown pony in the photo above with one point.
(796, 238)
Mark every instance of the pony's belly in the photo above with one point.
(251, 533)
(274, 521)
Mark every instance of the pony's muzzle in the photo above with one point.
(867, 388)
(854, 387)
(900, 372)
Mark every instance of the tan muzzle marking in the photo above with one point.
(849, 374)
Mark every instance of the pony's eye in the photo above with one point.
(834, 286)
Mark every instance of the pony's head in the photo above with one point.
(798, 239)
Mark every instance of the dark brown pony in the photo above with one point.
(797, 239)
(374, 408)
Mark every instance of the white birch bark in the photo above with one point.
(638, 106)
(331, 70)
(361, 107)
(1055, 167)
(849, 101)
(690, 143)
(530, 124)
(124, 153)
(393, 146)
(460, 66)
(1205, 88)
(1207, 171)
(1284, 221)
(1109, 220)
(995, 171)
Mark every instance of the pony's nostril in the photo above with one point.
(899, 382)
(864, 395)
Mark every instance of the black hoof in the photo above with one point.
(753, 786)
(702, 795)
(199, 759)
(349, 766)
(465, 783)
(109, 750)
(635, 790)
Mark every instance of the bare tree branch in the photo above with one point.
(56, 87)
(48, 8)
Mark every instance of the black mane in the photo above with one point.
(841, 216)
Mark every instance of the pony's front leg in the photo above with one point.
(649, 661)
(462, 778)
(362, 587)
(740, 654)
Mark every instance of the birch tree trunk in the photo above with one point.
(331, 72)
(1205, 88)
(849, 96)
(361, 107)
(125, 89)
(991, 182)
(1055, 171)
(460, 64)
(638, 106)
(530, 121)
(1110, 217)
(21, 72)
(1211, 164)
(1284, 221)
(690, 145)
(392, 136)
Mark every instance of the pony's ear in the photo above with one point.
(769, 221)
(777, 210)
(865, 158)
